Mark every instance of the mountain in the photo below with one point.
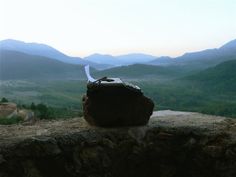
(17, 65)
(139, 71)
(135, 58)
(102, 59)
(189, 62)
(120, 60)
(230, 46)
(209, 56)
(222, 76)
(161, 61)
(45, 51)
(202, 59)
(38, 49)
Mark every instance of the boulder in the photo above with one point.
(118, 105)
(8, 110)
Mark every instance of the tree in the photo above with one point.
(4, 100)
(43, 111)
(32, 106)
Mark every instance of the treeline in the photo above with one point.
(186, 96)
(42, 111)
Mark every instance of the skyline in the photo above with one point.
(84, 27)
(122, 54)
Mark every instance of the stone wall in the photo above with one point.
(171, 145)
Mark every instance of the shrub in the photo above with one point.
(4, 100)
(9, 121)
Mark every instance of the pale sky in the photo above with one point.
(157, 27)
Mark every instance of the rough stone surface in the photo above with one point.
(170, 145)
(8, 109)
(117, 110)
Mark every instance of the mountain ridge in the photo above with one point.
(45, 51)
(104, 61)
(221, 75)
(18, 65)
(208, 57)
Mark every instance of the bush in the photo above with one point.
(4, 100)
(33, 106)
(9, 121)
(42, 111)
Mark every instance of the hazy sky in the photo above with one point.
(157, 27)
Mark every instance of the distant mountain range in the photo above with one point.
(202, 59)
(44, 50)
(96, 60)
(17, 65)
(19, 60)
(120, 60)
(38, 49)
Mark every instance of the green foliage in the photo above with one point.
(33, 106)
(4, 100)
(140, 71)
(43, 111)
(220, 108)
(9, 121)
(211, 91)
(187, 96)
(221, 78)
(17, 65)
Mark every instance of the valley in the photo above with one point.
(198, 82)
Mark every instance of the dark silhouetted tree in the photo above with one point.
(32, 106)
(4, 100)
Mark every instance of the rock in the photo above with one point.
(26, 115)
(2, 160)
(186, 145)
(8, 110)
(116, 106)
(110, 102)
(107, 111)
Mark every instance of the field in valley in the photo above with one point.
(174, 94)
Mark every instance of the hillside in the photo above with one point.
(222, 76)
(17, 65)
(230, 46)
(97, 61)
(104, 59)
(202, 59)
(140, 71)
(134, 58)
(37, 49)
(193, 61)
(45, 51)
